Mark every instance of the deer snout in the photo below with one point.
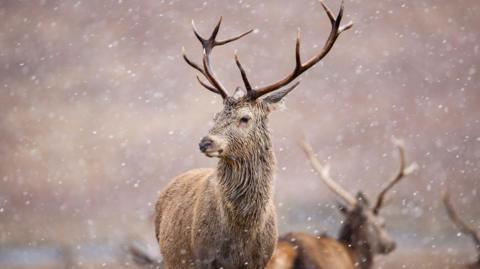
(205, 143)
(211, 146)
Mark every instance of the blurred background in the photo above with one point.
(98, 111)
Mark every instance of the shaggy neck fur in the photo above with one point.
(360, 247)
(246, 183)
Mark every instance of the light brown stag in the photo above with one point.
(225, 217)
(362, 234)
(465, 228)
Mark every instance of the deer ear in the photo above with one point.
(276, 106)
(278, 95)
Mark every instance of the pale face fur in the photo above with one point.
(238, 129)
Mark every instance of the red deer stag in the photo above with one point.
(362, 234)
(225, 217)
(464, 228)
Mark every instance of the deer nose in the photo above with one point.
(205, 143)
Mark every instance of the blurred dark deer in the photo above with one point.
(225, 217)
(362, 234)
(464, 227)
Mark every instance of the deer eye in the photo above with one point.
(245, 119)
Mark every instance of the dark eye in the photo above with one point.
(245, 119)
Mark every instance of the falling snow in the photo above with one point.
(99, 112)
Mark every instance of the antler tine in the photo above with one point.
(199, 69)
(329, 12)
(211, 76)
(298, 60)
(199, 37)
(208, 45)
(191, 63)
(403, 171)
(223, 42)
(206, 86)
(299, 67)
(213, 36)
(324, 172)
(462, 225)
(248, 86)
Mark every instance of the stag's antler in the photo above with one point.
(403, 171)
(206, 71)
(462, 225)
(299, 66)
(324, 172)
(254, 93)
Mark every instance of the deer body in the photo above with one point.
(294, 250)
(213, 224)
(228, 211)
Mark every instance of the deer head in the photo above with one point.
(240, 127)
(363, 227)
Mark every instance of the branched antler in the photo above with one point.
(302, 67)
(403, 171)
(214, 84)
(324, 172)
(206, 70)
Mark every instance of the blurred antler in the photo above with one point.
(403, 171)
(462, 225)
(324, 172)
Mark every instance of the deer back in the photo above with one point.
(305, 251)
